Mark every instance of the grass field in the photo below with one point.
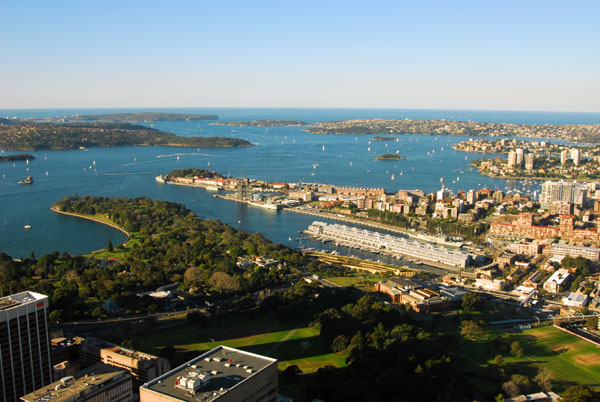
(570, 359)
(359, 280)
(288, 343)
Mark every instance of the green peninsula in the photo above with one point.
(34, 136)
(18, 157)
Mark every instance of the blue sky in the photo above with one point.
(510, 55)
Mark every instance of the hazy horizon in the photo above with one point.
(466, 55)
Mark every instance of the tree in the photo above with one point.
(511, 389)
(224, 282)
(592, 322)
(544, 379)
(340, 343)
(521, 380)
(109, 245)
(291, 371)
(499, 360)
(471, 302)
(56, 316)
(97, 312)
(471, 329)
(580, 393)
(516, 349)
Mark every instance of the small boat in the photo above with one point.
(323, 148)
(28, 226)
(27, 180)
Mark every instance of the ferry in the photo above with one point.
(27, 226)
(273, 207)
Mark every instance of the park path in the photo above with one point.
(286, 337)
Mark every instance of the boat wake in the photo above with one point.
(128, 173)
(186, 154)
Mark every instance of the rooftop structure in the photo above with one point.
(98, 383)
(222, 374)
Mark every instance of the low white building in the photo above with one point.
(490, 284)
(575, 300)
(556, 281)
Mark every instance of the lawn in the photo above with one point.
(288, 343)
(570, 359)
(359, 280)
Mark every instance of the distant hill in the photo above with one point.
(33, 136)
(141, 117)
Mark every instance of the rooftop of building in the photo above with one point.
(209, 375)
(18, 299)
(69, 388)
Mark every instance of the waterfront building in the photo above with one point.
(471, 197)
(99, 383)
(24, 345)
(512, 159)
(222, 374)
(359, 192)
(392, 244)
(575, 155)
(519, 153)
(564, 156)
(529, 162)
(571, 192)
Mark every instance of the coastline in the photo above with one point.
(114, 226)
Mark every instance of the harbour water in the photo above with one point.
(279, 154)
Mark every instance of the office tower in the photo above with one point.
(24, 345)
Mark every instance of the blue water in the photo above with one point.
(281, 154)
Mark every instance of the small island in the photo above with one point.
(389, 157)
(32, 136)
(134, 117)
(378, 138)
(17, 157)
(261, 123)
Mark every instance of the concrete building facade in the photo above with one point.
(24, 345)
